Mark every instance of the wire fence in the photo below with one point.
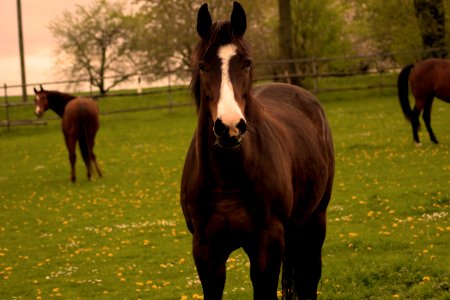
(311, 72)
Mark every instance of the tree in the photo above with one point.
(319, 30)
(167, 32)
(92, 43)
(285, 37)
(431, 17)
(386, 26)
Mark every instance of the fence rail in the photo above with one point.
(315, 72)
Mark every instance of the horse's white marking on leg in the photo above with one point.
(227, 109)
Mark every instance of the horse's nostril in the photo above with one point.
(242, 126)
(220, 129)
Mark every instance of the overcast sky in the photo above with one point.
(38, 41)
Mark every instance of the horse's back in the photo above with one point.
(293, 100)
(81, 111)
(430, 78)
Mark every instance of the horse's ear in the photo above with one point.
(204, 21)
(238, 19)
(35, 91)
(42, 89)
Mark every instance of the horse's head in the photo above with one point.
(222, 75)
(40, 101)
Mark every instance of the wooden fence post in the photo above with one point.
(315, 77)
(8, 122)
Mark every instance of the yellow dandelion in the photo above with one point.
(426, 279)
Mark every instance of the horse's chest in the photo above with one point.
(229, 214)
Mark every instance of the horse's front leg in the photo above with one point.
(266, 252)
(210, 260)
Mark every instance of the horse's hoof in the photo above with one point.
(418, 144)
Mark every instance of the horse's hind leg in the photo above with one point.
(71, 144)
(305, 248)
(415, 123)
(97, 168)
(93, 157)
(427, 120)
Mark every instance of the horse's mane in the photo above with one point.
(59, 95)
(220, 34)
(58, 100)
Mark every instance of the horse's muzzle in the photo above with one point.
(229, 136)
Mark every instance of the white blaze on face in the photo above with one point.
(227, 109)
(37, 109)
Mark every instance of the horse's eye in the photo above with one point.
(247, 64)
(202, 67)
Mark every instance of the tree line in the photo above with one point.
(116, 39)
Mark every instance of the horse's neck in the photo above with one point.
(225, 167)
(58, 102)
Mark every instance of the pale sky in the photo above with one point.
(38, 42)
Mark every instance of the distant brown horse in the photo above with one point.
(428, 79)
(259, 170)
(80, 123)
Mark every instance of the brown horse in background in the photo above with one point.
(80, 123)
(428, 79)
(259, 171)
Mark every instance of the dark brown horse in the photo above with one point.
(259, 170)
(428, 79)
(79, 119)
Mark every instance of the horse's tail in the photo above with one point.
(83, 139)
(402, 85)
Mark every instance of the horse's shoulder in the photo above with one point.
(291, 100)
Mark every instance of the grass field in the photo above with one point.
(124, 237)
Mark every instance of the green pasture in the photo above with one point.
(123, 236)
